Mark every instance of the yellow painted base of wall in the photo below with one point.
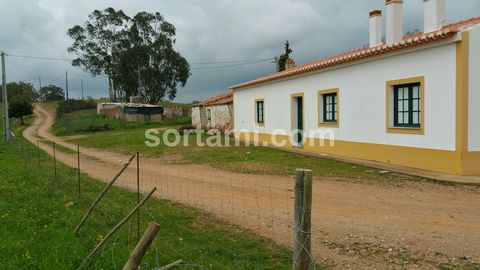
(450, 162)
(471, 163)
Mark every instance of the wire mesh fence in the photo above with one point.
(191, 200)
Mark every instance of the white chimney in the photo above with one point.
(434, 15)
(375, 28)
(394, 21)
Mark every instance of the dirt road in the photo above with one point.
(358, 225)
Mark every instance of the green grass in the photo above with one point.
(130, 137)
(87, 121)
(36, 226)
(58, 147)
(242, 159)
(50, 104)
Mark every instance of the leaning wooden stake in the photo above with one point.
(100, 196)
(142, 246)
(302, 225)
(117, 227)
(171, 265)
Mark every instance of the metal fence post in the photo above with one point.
(78, 170)
(302, 216)
(21, 149)
(54, 162)
(25, 158)
(38, 154)
(138, 195)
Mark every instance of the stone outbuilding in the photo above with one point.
(136, 112)
(214, 113)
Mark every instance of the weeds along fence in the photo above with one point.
(209, 201)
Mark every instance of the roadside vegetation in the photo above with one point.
(38, 215)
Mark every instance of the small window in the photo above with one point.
(330, 108)
(209, 114)
(406, 105)
(260, 109)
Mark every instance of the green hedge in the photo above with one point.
(71, 105)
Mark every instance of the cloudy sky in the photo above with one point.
(207, 31)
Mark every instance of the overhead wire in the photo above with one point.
(233, 63)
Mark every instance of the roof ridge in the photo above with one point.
(348, 56)
(217, 99)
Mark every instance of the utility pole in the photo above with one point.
(39, 85)
(66, 84)
(81, 86)
(6, 124)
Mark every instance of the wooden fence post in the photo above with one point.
(100, 196)
(302, 216)
(142, 246)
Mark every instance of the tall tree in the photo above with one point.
(19, 109)
(161, 67)
(96, 42)
(51, 93)
(282, 59)
(136, 53)
(21, 97)
(21, 91)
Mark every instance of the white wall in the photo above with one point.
(196, 117)
(474, 92)
(221, 116)
(362, 91)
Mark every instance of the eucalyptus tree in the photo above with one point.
(97, 41)
(148, 65)
(137, 54)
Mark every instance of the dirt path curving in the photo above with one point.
(414, 225)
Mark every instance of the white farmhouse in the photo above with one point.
(412, 101)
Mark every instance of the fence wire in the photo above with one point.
(209, 201)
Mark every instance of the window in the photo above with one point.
(406, 102)
(328, 106)
(405, 106)
(209, 114)
(259, 110)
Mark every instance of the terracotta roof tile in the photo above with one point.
(350, 56)
(217, 100)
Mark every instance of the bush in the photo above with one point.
(97, 127)
(71, 105)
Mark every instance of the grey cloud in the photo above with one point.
(207, 31)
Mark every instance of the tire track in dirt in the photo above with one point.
(355, 225)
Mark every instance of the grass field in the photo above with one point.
(36, 226)
(85, 121)
(130, 137)
(242, 159)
